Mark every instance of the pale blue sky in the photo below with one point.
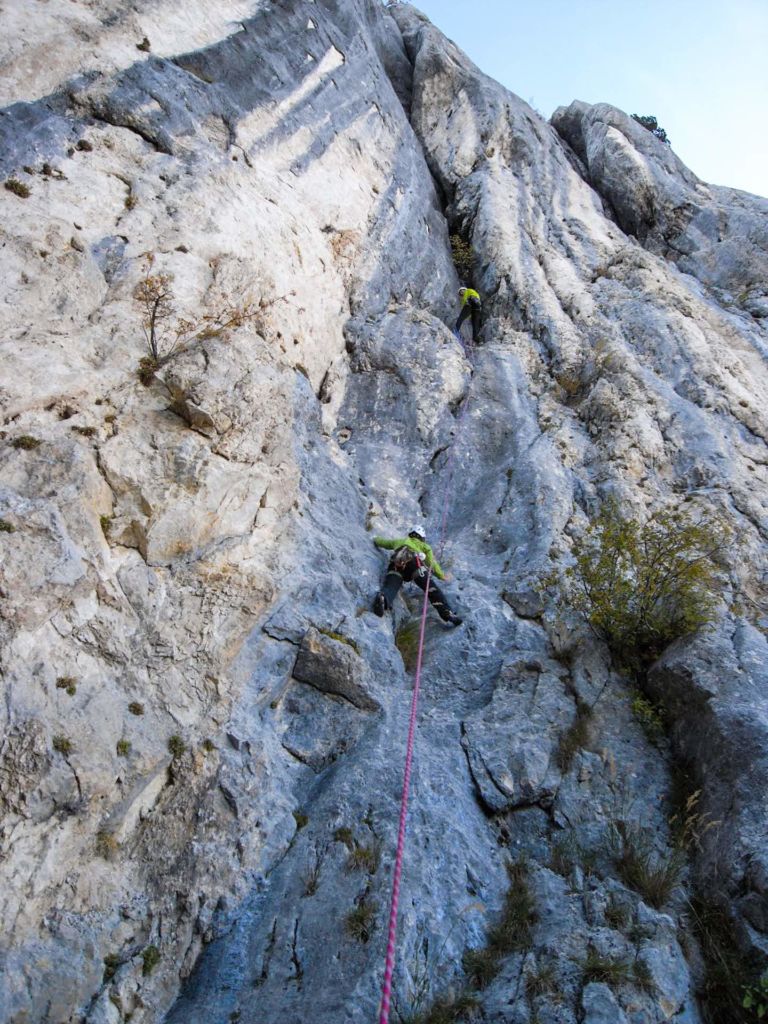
(701, 66)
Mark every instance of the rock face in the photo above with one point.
(202, 735)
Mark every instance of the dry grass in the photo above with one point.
(361, 921)
(655, 875)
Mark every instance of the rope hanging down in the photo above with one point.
(389, 967)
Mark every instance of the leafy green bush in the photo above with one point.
(641, 586)
(650, 716)
(756, 997)
(461, 253)
(649, 122)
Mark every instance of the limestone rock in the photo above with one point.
(332, 665)
(217, 777)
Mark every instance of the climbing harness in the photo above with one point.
(389, 966)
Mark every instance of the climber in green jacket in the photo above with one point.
(410, 563)
(470, 304)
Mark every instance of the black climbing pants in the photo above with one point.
(472, 307)
(414, 573)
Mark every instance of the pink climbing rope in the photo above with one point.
(386, 990)
(389, 967)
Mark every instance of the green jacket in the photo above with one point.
(415, 545)
(467, 294)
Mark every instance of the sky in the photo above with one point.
(699, 66)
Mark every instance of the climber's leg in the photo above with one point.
(465, 311)
(475, 322)
(386, 596)
(437, 598)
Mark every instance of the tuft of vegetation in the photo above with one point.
(26, 442)
(18, 188)
(692, 825)
(651, 716)
(575, 737)
(728, 976)
(123, 748)
(312, 877)
(654, 875)
(642, 977)
(407, 643)
(607, 969)
(144, 45)
(6, 527)
(111, 962)
(62, 744)
(641, 586)
(166, 332)
(85, 431)
(542, 982)
(364, 858)
(567, 853)
(106, 525)
(209, 746)
(340, 637)
(176, 746)
(461, 254)
(649, 122)
(447, 1009)
(361, 921)
(136, 708)
(344, 835)
(150, 959)
(67, 683)
(106, 844)
(84, 146)
(512, 933)
(301, 820)
(617, 913)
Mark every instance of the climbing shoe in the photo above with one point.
(455, 620)
(380, 605)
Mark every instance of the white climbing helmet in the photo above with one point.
(418, 531)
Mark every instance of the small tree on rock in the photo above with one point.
(642, 585)
(165, 332)
(649, 122)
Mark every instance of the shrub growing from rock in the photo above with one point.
(18, 188)
(649, 122)
(166, 332)
(461, 253)
(642, 585)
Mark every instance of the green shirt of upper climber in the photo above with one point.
(468, 295)
(414, 544)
